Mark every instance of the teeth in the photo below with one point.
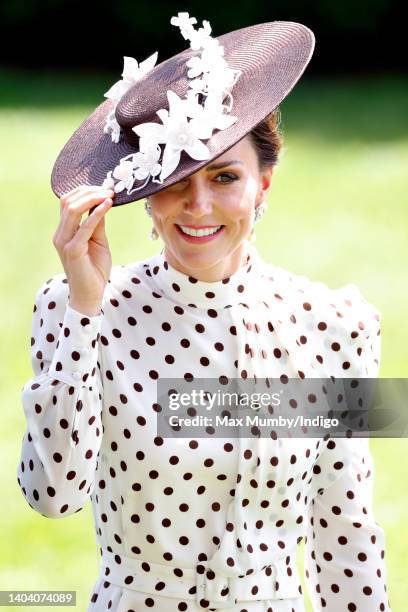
(201, 232)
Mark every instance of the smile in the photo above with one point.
(202, 231)
(202, 234)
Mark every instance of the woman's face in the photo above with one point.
(223, 193)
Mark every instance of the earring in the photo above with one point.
(148, 207)
(259, 213)
(153, 232)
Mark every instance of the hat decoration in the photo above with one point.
(132, 72)
(168, 117)
(186, 123)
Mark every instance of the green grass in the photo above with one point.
(337, 213)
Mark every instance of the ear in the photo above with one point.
(265, 182)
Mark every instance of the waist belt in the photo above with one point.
(208, 588)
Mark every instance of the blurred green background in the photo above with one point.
(337, 213)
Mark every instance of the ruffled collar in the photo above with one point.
(240, 287)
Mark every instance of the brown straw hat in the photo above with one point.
(269, 59)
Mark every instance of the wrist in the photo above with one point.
(87, 309)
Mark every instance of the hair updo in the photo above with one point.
(267, 139)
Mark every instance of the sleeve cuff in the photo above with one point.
(75, 360)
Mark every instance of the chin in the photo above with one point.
(199, 260)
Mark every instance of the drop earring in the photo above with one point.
(259, 213)
(153, 232)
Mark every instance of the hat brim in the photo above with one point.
(272, 57)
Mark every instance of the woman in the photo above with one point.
(197, 522)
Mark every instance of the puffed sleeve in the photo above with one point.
(345, 547)
(62, 405)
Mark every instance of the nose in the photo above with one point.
(198, 199)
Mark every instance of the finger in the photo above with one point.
(72, 214)
(81, 189)
(69, 194)
(87, 228)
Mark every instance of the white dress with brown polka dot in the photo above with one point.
(206, 522)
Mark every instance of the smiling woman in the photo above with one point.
(198, 522)
(215, 182)
(214, 206)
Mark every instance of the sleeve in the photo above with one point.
(344, 545)
(62, 405)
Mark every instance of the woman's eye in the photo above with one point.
(231, 177)
(227, 177)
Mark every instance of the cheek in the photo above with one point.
(163, 208)
(238, 208)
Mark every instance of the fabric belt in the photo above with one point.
(208, 588)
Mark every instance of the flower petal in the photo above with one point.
(197, 85)
(201, 128)
(141, 174)
(115, 91)
(154, 131)
(224, 121)
(123, 170)
(146, 143)
(119, 187)
(198, 150)
(148, 64)
(152, 154)
(163, 113)
(130, 68)
(176, 104)
(154, 170)
(170, 162)
(138, 159)
(108, 182)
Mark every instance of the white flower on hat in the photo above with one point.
(112, 126)
(176, 132)
(210, 117)
(200, 38)
(124, 173)
(185, 23)
(186, 122)
(132, 72)
(108, 182)
(209, 60)
(147, 162)
(135, 166)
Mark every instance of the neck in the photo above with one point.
(222, 269)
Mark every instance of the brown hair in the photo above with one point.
(267, 139)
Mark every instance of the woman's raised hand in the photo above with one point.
(83, 247)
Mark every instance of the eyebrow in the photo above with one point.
(219, 165)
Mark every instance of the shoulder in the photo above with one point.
(339, 324)
(344, 305)
(129, 280)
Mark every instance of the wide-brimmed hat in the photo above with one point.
(253, 68)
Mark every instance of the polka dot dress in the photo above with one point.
(207, 522)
